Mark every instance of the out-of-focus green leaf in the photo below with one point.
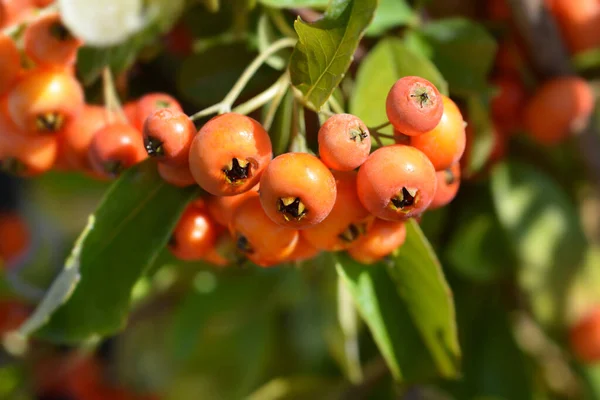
(91, 296)
(480, 133)
(206, 77)
(462, 50)
(266, 35)
(592, 379)
(281, 129)
(543, 226)
(390, 14)
(298, 388)
(386, 315)
(389, 61)
(325, 48)
(294, 3)
(421, 284)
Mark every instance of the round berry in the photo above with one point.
(168, 136)
(558, 108)
(114, 148)
(303, 251)
(176, 175)
(382, 239)
(445, 144)
(77, 135)
(149, 103)
(44, 100)
(414, 105)
(221, 208)
(257, 237)
(194, 236)
(49, 42)
(448, 182)
(344, 142)
(585, 337)
(10, 67)
(297, 190)
(347, 221)
(396, 182)
(229, 154)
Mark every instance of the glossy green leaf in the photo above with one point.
(91, 296)
(462, 50)
(389, 61)
(543, 227)
(390, 14)
(421, 284)
(325, 48)
(387, 317)
(294, 3)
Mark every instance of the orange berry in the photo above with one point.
(44, 100)
(414, 105)
(445, 144)
(77, 135)
(257, 237)
(297, 190)
(194, 236)
(12, 315)
(114, 148)
(558, 108)
(579, 22)
(584, 337)
(151, 102)
(168, 136)
(221, 208)
(303, 251)
(48, 42)
(396, 182)
(229, 154)
(344, 142)
(176, 175)
(448, 182)
(10, 67)
(346, 222)
(130, 111)
(14, 237)
(382, 239)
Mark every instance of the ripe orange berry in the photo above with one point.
(559, 107)
(77, 135)
(48, 42)
(221, 208)
(347, 221)
(508, 104)
(24, 155)
(130, 111)
(14, 237)
(44, 100)
(229, 154)
(151, 102)
(176, 175)
(12, 315)
(297, 190)
(168, 136)
(445, 144)
(303, 251)
(382, 239)
(344, 142)
(396, 182)
(10, 67)
(584, 337)
(114, 148)
(194, 235)
(257, 237)
(414, 105)
(579, 22)
(448, 182)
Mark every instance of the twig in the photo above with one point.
(264, 97)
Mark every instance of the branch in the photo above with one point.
(550, 58)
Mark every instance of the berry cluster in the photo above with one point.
(292, 206)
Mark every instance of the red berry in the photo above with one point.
(448, 182)
(382, 239)
(168, 136)
(344, 142)
(115, 148)
(585, 337)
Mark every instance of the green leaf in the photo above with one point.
(462, 49)
(298, 387)
(294, 3)
(92, 60)
(91, 296)
(389, 61)
(267, 35)
(390, 14)
(422, 285)
(480, 131)
(380, 306)
(325, 48)
(281, 129)
(543, 227)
